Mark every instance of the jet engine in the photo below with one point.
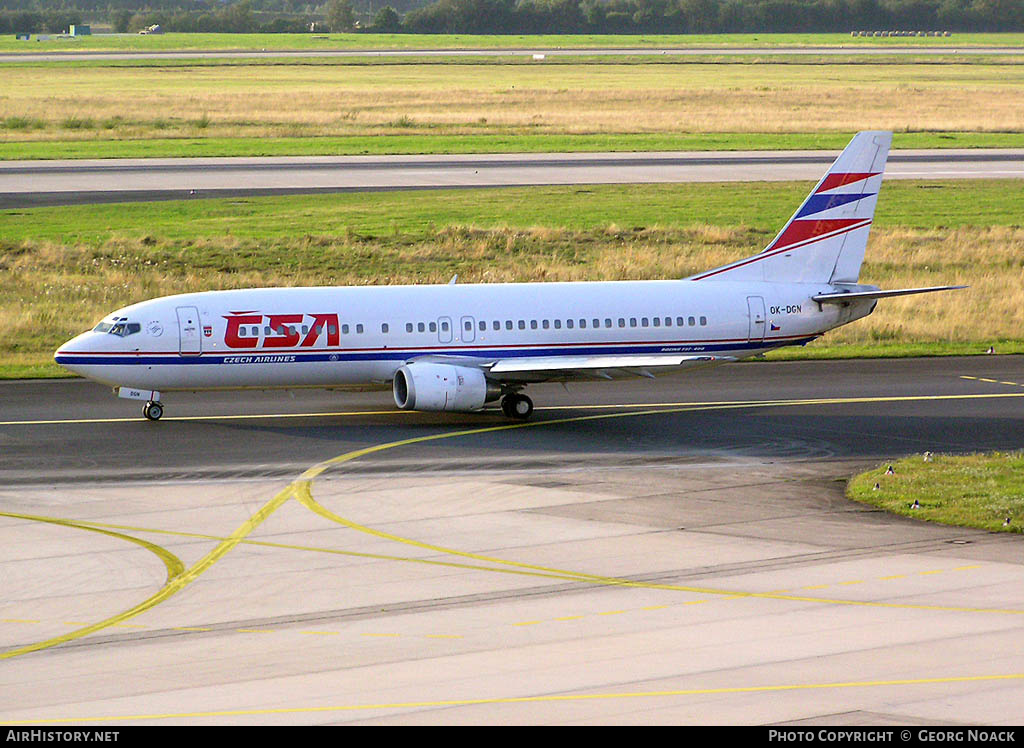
(432, 386)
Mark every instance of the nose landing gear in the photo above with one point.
(153, 410)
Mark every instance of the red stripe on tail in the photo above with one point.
(799, 231)
(838, 180)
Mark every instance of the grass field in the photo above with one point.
(254, 42)
(402, 144)
(61, 269)
(167, 110)
(981, 490)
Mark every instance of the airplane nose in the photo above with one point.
(69, 354)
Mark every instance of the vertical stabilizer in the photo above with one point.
(825, 239)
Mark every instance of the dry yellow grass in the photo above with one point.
(90, 102)
(50, 291)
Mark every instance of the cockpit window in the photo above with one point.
(121, 328)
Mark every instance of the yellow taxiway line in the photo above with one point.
(614, 406)
(549, 698)
(301, 490)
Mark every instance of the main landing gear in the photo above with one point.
(153, 410)
(517, 406)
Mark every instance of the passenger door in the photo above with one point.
(190, 336)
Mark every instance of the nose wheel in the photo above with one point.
(153, 410)
(516, 406)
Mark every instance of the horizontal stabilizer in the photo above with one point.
(844, 296)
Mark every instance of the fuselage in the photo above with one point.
(342, 336)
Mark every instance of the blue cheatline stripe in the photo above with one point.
(406, 354)
(820, 203)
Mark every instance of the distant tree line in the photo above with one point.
(518, 16)
(711, 16)
(242, 16)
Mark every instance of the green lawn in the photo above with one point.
(258, 42)
(63, 268)
(421, 144)
(417, 214)
(980, 490)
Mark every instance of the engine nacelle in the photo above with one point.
(430, 386)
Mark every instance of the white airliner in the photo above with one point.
(458, 347)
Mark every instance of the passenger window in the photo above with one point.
(643, 322)
(679, 321)
(344, 329)
(632, 321)
(691, 321)
(568, 323)
(483, 326)
(668, 322)
(408, 326)
(433, 327)
(384, 327)
(622, 322)
(420, 328)
(508, 324)
(444, 327)
(607, 322)
(703, 321)
(533, 324)
(558, 324)
(522, 324)
(546, 324)
(468, 325)
(496, 325)
(266, 330)
(657, 322)
(332, 330)
(583, 323)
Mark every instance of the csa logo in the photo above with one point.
(285, 330)
(208, 330)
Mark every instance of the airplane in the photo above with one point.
(460, 347)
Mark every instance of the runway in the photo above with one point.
(668, 552)
(34, 183)
(856, 50)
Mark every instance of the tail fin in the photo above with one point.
(825, 239)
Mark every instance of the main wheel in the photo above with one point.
(517, 406)
(153, 411)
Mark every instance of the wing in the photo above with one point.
(561, 368)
